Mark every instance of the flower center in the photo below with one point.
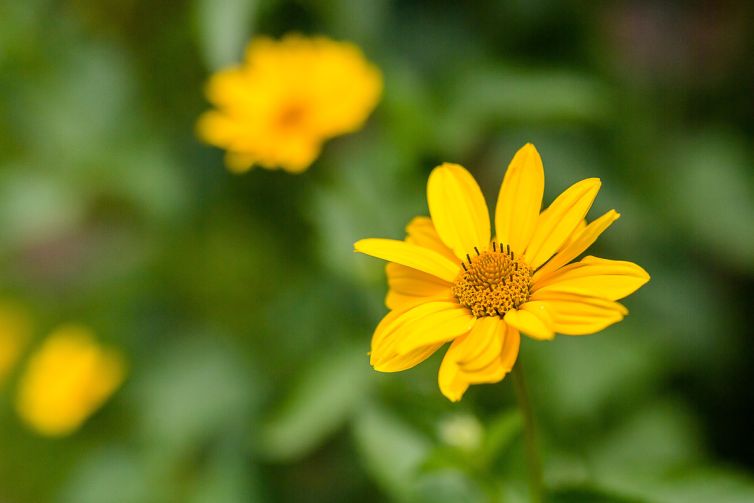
(493, 282)
(290, 116)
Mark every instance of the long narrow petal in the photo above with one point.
(476, 358)
(596, 277)
(574, 314)
(409, 286)
(402, 336)
(511, 345)
(520, 199)
(410, 255)
(458, 210)
(576, 233)
(481, 346)
(452, 385)
(398, 363)
(578, 243)
(386, 360)
(531, 320)
(421, 231)
(443, 325)
(557, 222)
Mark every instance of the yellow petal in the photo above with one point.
(398, 363)
(239, 162)
(299, 154)
(557, 222)
(473, 358)
(577, 314)
(579, 241)
(403, 334)
(458, 210)
(216, 128)
(511, 345)
(421, 231)
(533, 322)
(520, 199)
(409, 286)
(67, 379)
(396, 300)
(228, 87)
(576, 233)
(451, 385)
(481, 346)
(596, 277)
(439, 326)
(484, 355)
(410, 255)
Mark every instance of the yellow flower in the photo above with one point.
(67, 379)
(14, 332)
(448, 281)
(277, 108)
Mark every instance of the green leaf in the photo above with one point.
(490, 96)
(353, 205)
(577, 378)
(391, 451)
(712, 196)
(587, 495)
(501, 433)
(223, 28)
(327, 393)
(701, 485)
(227, 478)
(111, 475)
(451, 486)
(659, 440)
(33, 206)
(193, 390)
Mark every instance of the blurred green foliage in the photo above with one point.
(246, 317)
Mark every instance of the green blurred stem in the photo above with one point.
(536, 489)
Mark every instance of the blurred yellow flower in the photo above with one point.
(67, 379)
(277, 108)
(449, 281)
(14, 333)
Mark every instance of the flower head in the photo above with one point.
(67, 379)
(451, 281)
(277, 108)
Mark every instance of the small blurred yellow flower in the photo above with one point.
(14, 333)
(67, 379)
(277, 108)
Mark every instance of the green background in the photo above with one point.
(246, 317)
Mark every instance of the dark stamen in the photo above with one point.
(464, 267)
(493, 246)
(508, 249)
(476, 250)
(468, 258)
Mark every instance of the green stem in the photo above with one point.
(536, 489)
